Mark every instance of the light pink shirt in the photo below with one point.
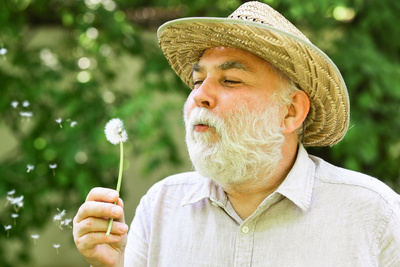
(321, 215)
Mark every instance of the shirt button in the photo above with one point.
(245, 229)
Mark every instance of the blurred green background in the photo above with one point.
(69, 66)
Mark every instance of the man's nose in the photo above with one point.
(206, 94)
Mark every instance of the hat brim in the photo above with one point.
(183, 40)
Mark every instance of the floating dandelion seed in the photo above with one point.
(9, 196)
(35, 237)
(116, 134)
(53, 168)
(56, 246)
(18, 206)
(66, 223)
(25, 104)
(30, 167)
(58, 217)
(73, 123)
(59, 120)
(7, 228)
(17, 202)
(26, 114)
(14, 216)
(14, 104)
(3, 51)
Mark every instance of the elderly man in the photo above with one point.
(260, 91)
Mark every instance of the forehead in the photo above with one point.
(228, 57)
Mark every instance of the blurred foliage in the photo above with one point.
(89, 61)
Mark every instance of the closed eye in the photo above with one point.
(231, 82)
(197, 83)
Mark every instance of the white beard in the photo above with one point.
(243, 147)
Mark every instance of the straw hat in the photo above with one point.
(259, 29)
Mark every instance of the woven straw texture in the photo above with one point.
(259, 29)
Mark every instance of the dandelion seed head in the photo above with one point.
(11, 192)
(7, 227)
(35, 236)
(14, 215)
(59, 120)
(73, 123)
(115, 132)
(56, 245)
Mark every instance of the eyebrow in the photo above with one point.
(224, 66)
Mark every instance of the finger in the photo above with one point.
(99, 210)
(91, 225)
(91, 240)
(103, 195)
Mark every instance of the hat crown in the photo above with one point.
(264, 14)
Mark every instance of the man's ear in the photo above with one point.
(297, 112)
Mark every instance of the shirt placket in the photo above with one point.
(244, 245)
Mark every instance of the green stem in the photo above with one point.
(121, 167)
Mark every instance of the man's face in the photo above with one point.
(225, 78)
(233, 128)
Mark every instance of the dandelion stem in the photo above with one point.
(121, 167)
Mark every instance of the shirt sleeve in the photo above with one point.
(389, 246)
(136, 251)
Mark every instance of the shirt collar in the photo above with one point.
(206, 189)
(297, 186)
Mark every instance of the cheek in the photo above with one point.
(188, 107)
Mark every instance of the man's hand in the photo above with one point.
(90, 227)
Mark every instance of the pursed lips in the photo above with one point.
(201, 127)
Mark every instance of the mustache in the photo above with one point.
(203, 116)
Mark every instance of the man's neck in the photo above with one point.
(245, 198)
